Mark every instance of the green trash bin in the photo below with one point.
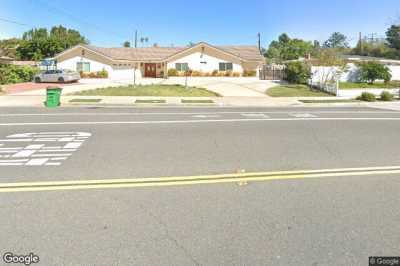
(53, 96)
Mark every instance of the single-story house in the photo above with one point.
(155, 61)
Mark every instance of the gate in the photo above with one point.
(272, 72)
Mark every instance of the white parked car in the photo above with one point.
(58, 75)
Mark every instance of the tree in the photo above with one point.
(37, 44)
(371, 71)
(336, 40)
(9, 47)
(288, 49)
(393, 37)
(126, 44)
(298, 72)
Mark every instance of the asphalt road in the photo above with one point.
(338, 220)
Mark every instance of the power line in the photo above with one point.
(73, 17)
(14, 22)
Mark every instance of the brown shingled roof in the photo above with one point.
(143, 53)
(246, 52)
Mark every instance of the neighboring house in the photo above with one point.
(156, 61)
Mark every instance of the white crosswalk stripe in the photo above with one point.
(38, 152)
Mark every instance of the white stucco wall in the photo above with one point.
(115, 71)
(212, 63)
(320, 72)
(94, 65)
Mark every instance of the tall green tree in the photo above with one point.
(393, 37)
(336, 40)
(38, 43)
(288, 49)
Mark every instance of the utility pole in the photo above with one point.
(259, 41)
(360, 43)
(134, 68)
(135, 38)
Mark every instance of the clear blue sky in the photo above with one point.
(109, 23)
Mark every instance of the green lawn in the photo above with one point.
(149, 90)
(85, 100)
(330, 101)
(151, 101)
(364, 85)
(197, 101)
(295, 90)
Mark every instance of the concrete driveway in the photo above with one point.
(242, 86)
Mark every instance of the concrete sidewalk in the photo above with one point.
(38, 100)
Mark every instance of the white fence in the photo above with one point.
(331, 87)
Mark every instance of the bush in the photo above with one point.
(235, 74)
(371, 71)
(103, 74)
(214, 73)
(367, 97)
(197, 73)
(172, 72)
(297, 72)
(386, 96)
(249, 73)
(14, 74)
(92, 75)
(228, 73)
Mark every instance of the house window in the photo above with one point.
(182, 66)
(83, 66)
(225, 66)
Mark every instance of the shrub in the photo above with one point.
(15, 74)
(367, 97)
(235, 74)
(228, 73)
(172, 72)
(249, 73)
(196, 73)
(297, 72)
(102, 74)
(386, 96)
(214, 73)
(371, 71)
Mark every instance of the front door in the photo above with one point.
(150, 70)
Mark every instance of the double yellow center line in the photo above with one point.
(192, 180)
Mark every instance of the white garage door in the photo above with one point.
(121, 74)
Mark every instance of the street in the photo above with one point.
(330, 199)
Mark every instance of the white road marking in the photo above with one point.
(37, 161)
(205, 116)
(72, 145)
(15, 161)
(255, 115)
(53, 164)
(52, 155)
(199, 113)
(302, 115)
(202, 121)
(58, 150)
(34, 147)
(40, 154)
(59, 158)
(24, 153)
